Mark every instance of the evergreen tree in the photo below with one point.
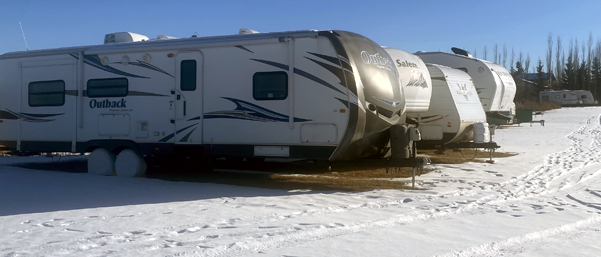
(520, 93)
(596, 76)
(539, 76)
(581, 75)
(568, 76)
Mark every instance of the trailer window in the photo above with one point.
(188, 75)
(583, 96)
(270, 85)
(107, 87)
(47, 93)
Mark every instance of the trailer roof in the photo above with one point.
(162, 43)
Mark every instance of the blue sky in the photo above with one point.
(408, 25)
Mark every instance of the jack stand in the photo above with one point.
(492, 151)
(413, 178)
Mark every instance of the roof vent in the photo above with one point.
(248, 31)
(460, 51)
(123, 37)
(165, 37)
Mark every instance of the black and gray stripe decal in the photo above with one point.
(334, 70)
(244, 48)
(345, 63)
(300, 72)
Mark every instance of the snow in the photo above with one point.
(545, 201)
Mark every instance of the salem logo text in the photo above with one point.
(106, 103)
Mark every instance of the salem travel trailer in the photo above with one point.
(567, 97)
(455, 110)
(446, 105)
(495, 85)
(329, 95)
(414, 78)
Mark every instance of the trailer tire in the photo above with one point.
(129, 164)
(101, 162)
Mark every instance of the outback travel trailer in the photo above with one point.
(330, 95)
(455, 113)
(495, 85)
(567, 97)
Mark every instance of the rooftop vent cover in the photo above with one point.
(460, 51)
(123, 37)
(248, 31)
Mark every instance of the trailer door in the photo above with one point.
(188, 97)
(47, 112)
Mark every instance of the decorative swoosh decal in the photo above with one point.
(435, 118)
(150, 67)
(95, 62)
(165, 139)
(247, 111)
(28, 117)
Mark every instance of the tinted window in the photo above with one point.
(107, 87)
(270, 85)
(47, 93)
(188, 75)
(583, 96)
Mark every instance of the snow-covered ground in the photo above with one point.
(546, 201)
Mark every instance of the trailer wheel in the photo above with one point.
(129, 164)
(101, 162)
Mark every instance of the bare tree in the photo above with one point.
(527, 64)
(589, 60)
(575, 59)
(485, 53)
(521, 59)
(495, 52)
(550, 56)
(558, 65)
(504, 55)
(512, 59)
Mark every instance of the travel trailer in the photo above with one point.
(495, 85)
(330, 95)
(414, 79)
(567, 97)
(455, 110)
(446, 106)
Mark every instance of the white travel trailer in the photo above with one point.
(414, 79)
(495, 85)
(329, 95)
(455, 110)
(567, 97)
(445, 105)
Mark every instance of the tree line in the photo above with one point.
(577, 67)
